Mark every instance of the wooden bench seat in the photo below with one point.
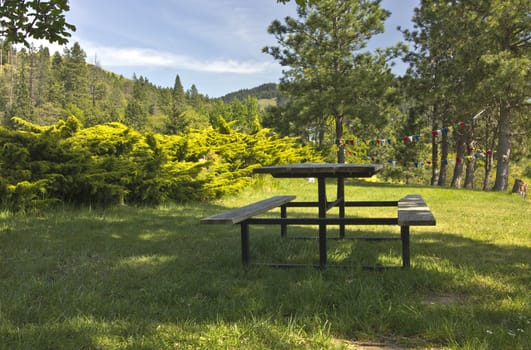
(243, 214)
(237, 215)
(412, 211)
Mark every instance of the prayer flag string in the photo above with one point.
(405, 139)
(417, 138)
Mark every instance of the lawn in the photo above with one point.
(153, 278)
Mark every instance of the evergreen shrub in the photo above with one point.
(111, 163)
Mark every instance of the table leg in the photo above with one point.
(404, 235)
(283, 226)
(341, 198)
(245, 243)
(321, 181)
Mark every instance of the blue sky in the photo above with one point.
(214, 44)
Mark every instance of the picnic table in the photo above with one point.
(412, 210)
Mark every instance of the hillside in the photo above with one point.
(267, 91)
(43, 88)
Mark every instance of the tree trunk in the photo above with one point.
(444, 160)
(321, 132)
(339, 137)
(459, 160)
(488, 171)
(31, 79)
(489, 141)
(504, 148)
(471, 163)
(435, 161)
(434, 150)
(470, 170)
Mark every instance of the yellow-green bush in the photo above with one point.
(111, 163)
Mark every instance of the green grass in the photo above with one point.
(130, 278)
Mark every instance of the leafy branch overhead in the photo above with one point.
(21, 20)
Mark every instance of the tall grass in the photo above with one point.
(144, 278)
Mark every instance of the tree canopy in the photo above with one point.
(322, 50)
(471, 56)
(24, 19)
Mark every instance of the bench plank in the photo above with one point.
(413, 211)
(238, 215)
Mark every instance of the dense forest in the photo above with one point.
(43, 88)
(264, 91)
(458, 117)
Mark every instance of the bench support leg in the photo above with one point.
(283, 227)
(404, 235)
(245, 243)
(322, 214)
(341, 198)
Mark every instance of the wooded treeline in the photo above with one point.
(43, 88)
(465, 56)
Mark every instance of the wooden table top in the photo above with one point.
(321, 170)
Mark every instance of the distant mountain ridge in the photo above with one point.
(262, 92)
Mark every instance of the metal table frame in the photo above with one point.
(322, 171)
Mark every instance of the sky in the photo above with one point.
(214, 44)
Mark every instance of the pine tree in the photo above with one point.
(178, 107)
(194, 97)
(135, 115)
(22, 106)
(179, 98)
(97, 88)
(473, 55)
(56, 88)
(328, 76)
(43, 76)
(75, 75)
(506, 40)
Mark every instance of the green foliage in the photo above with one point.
(75, 76)
(264, 91)
(45, 88)
(22, 19)
(135, 115)
(469, 56)
(22, 100)
(111, 163)
(328, 76)
(221, 160)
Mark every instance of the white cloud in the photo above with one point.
(141, 57)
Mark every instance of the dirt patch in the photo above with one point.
(442, 300)
(367, 345)
(375, 345)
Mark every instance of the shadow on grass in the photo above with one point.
(128, 272)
